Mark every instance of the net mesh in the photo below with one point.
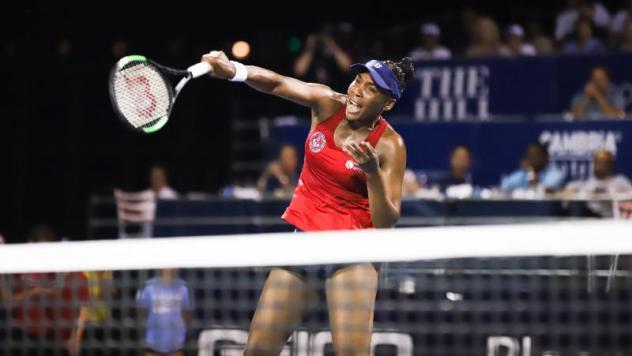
(529, 305)
(141, 93)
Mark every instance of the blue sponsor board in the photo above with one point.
(500, 87)
(498, 147)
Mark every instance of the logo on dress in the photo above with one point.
(317, 142)
(350, 164)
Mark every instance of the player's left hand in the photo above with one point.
(364, 155)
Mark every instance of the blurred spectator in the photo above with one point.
(536, 173)
(604, 181)
(323, 60)
(165, 301)
(158, 182)
(411, 184)
(463, 34)
(594, 11)
(280, 176)
(619, 22)
(540, 38)
(516, 46)
(485, 40)
(49, 309)
(604, 184)
(459, 175)
(100, 290)
(626, 38)
(4, 286)
(430, 48)
(599, 98)
(584, 41)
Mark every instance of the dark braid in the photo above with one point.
(403, 71)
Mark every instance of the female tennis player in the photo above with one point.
(351, 179)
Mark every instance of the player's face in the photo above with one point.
(365, 100)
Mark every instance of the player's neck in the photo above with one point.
(362, 124)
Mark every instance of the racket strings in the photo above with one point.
(141, 93)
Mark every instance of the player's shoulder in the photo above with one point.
(328, 105)
(391, 139)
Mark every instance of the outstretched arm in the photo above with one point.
(320, 98)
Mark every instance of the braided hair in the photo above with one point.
(403, 71)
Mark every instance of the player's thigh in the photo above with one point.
(279, 311)
(351, 293)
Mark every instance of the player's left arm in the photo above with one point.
(384, 168)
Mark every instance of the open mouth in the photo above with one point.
(353, 107)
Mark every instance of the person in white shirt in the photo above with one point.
(515, 44)
(604, 184)
(593, 10)
(430, 48)
(159, 184)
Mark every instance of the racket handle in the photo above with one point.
(198, 70)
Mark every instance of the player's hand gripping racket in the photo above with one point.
(142, 95)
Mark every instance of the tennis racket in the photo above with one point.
(141, 93)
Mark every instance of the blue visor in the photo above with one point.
(382, 76)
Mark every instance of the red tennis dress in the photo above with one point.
(331, 192)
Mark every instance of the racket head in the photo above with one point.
(141, 95)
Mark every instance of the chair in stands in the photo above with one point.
(135, 212)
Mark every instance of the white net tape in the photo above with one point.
(469, 291)
(407, 244)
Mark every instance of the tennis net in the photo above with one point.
(523, 290)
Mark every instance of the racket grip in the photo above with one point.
(198, 70)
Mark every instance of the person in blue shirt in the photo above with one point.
(599, 99)
(166, 302)
(536, 172)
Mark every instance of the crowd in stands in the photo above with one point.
(55, 313)
(535, 178)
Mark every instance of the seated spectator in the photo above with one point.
(584, 41)
(626, 38)
(430, 48)
(541, 40)
(459, 174)
(159, 184)
(280, 176)
(410, 185)
(604, 181)
(619, 24)
(536, 173)
(515, 45)
(592, 10)
(486, 39)
(599, 98)
(603, 184)
(165, 303)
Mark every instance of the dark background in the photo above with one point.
(60, 141)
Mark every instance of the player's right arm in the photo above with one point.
(323, 101)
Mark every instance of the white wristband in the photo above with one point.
(241, 72)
